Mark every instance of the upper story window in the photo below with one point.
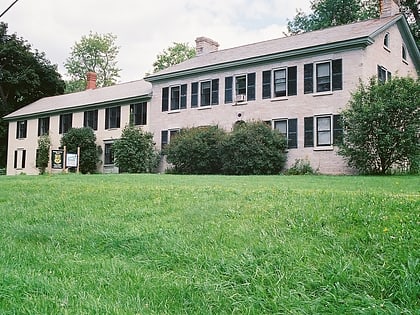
(205, 93)
(244, 89)
(90, 119)
(43, 126)
(383, 74)
(138, 113)
(387, 41)
(66, 121)
(176, 96)
(21, 129)
(323, 76)
(113, 117)
(284, 82)
(322, 131)
(288, 128)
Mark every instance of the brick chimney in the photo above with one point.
(389, 8)
(91, 81)
(205, 45)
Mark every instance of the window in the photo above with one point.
(386, 41)
(21, 129)
(328, 131)
(109, 155)
(209, 93)
(328, 76)
(91, 119)
(166, 136)
(112, 117)
(404, 53)
(244, 88)
(43, 126)
(288, 127)
(65, 123)
(138, 113)
(383, 74)
(284, 82)
(20, 159)
(178, 97)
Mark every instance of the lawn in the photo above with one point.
(167, 244)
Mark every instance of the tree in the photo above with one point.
(196, 150)
(93, 53)
(25, 76)
(134, 152)
(382, 125)
(411, 10)
(175, 54)
(254, 149)
(43, 153)
(85, 139)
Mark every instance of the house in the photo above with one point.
(297, 84)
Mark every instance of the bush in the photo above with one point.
(301, 167)
(253, 148)
(43, 153)
(381, 127)
(134, 152)
(196, 151)
(85, 139)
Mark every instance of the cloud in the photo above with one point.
(143, 28)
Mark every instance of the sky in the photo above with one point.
(145, 28)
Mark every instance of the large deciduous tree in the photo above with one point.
(25, 76)
(93, 53)
(175, 54)
(382, 127)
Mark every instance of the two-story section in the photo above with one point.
(106, 110)
(298, 85)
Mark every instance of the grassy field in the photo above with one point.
(166, 244)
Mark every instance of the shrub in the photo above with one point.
(301, 167)
(381, 127)
(134, 152)
(196, 150)
(253, 148)
(85, 139)
(43, 153)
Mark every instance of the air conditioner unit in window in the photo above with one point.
(240, 98)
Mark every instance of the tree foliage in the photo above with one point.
(175, 54)
(382, 126)
(326, 13)
(197, 150)
(85, 139)
(93, 53)
(25, 76)
(134, 152)
(43, 153)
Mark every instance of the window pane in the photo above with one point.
(281, 126)
(324, 123)
(241, 85)
(280, 82)
(323, 77)
(324, 138)
(175, 94)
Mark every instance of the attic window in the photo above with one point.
(386, 41)
(404, 53)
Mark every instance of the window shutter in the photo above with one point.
(215, 92)
(106, 119)
(228, 89)
(389, 75)
(309, 132)
(337, 74)
(23, 158)
(266, 86)
(163, 139)
(337, 130)
(15, 160)
(308, 73)
(194, 94)
(251, 87)
(183, 96)
(118, 117)
(292, 81)
(292, 133)
(165, 99)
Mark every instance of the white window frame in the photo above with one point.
(316, 64)
(236, 94)
(330, 131)
(282, 120)
(179, 98)
(274, 81)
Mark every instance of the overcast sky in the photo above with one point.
(145, 28)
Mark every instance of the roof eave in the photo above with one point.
(330, 47)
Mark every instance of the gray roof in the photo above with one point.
(85, 99)
(339, 36)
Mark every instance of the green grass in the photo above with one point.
(166, 244)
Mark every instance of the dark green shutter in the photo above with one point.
(337, 130)
(163, 139)
(308, 73)
(292, 133)
(251, 87)
(309, 132)
(165, 99)
(183, 96)
(194, 94)
(266, 84)
(228, 89)
(337, 75)
(215, 92)
(292, 81)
